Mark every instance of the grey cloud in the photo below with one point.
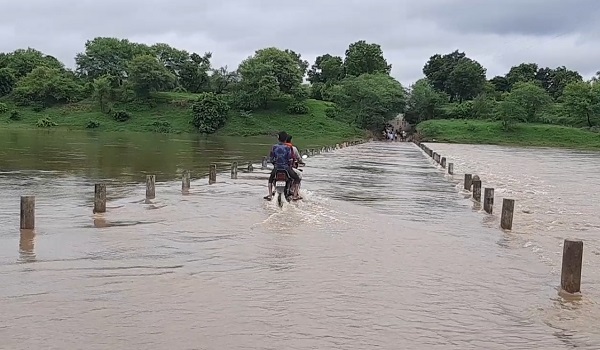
(527, 17)
(497, 33)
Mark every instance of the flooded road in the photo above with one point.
(383, 252)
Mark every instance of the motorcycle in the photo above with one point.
(283, 186)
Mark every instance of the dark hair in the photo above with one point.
(282, 136)
(289, 138)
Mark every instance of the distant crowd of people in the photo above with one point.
(391, 134)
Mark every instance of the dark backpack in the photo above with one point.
(281, 156)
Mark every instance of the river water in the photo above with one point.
(385, 251)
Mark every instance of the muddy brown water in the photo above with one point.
(384, 252)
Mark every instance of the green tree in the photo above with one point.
(509, 111)
(147, 75)
(102, 91)
(193, 73)
(267, 75)
(581, 100)
(209, 112)
(302, 64)
(22, 61)
(533, 99)
(222, 80)
(172, 58)
(500, 84)
(370, 99)
(438, 69)
(108, 56)
(327, 69)
(364, 58)
(484, 105)
(522, 73)
(424, 102)
(555, 80)
(466, 80)
(47, 86)
(7, 81)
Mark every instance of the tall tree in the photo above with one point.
(223, 80)
(581, 100)
(524, 72)
(147, 75)
(438, 69)
(268, 65)
(424, 102)
(108, 56)
(555, 80)
(47, 86)
(327, 69)
(365, 58)
(7, 81)
(532, 98)
(172, 58)
(500, 83)
(102, 91)
(22, 61)
(466, 80)
(371, 99)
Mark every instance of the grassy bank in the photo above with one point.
(484, 132)
(170, 113)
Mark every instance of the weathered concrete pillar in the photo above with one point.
(468, 181)
(264, 163)
(212, 174)
(508, 208)
(99, 198)
(185, 181)
(572, 259)
(234, 170)
(250, 167)
(150, 186)
(477, 190)
(451, 168)
(27, 221)
(488, 200)
(443, 162)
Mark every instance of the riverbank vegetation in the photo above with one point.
(455, 88)
(522, 134)
(119, 85)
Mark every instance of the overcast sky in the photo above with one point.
(497, 33)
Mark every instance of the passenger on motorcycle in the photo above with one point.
(297, 161)
(282, 157)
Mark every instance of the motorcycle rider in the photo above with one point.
(282, 156)
(298, 160)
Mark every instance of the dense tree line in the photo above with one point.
(114, 71)
(455, 86)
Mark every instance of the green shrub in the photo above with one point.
(298, 108)
(92, 124)
(121, 116)
(14, 115)
(3, 108)
(161, 126)
(45, 122)
(209, 112)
